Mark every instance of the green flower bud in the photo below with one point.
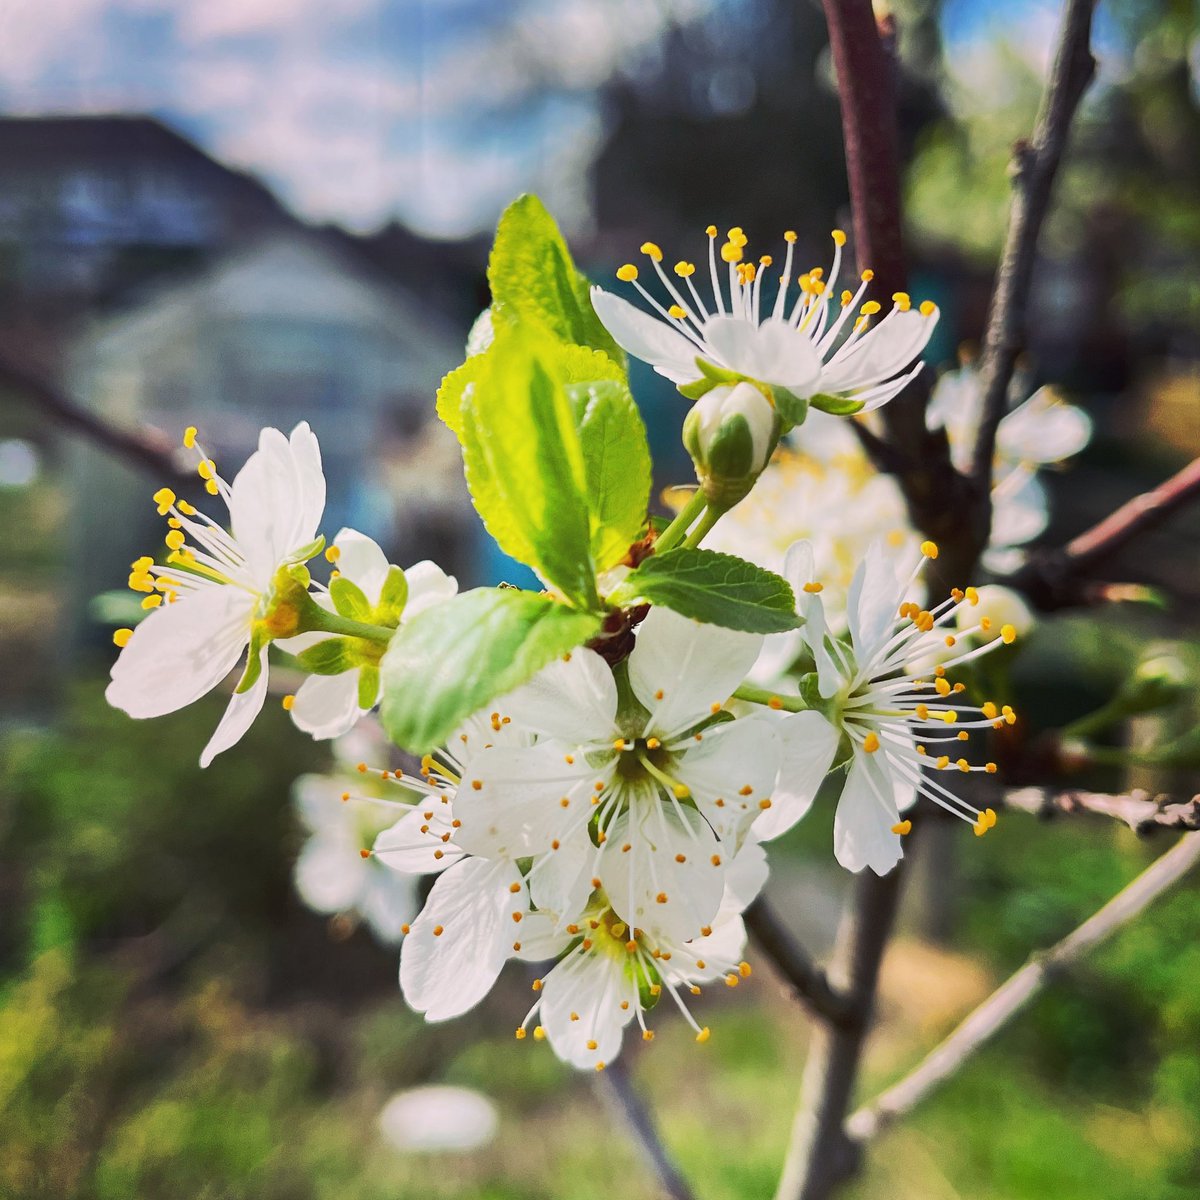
(730, 433)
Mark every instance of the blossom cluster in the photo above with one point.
(594, 770)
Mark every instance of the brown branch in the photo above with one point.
(1060, 578)
(808, 981)
(1035, 165)
(1013, 995)
(145, 449)
(1142, 812)
(617, 1088)
(820, 1156)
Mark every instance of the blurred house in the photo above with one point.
(157, 286)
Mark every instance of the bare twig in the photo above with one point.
(820, 1156)
(145, 449)
(1059, 578)
(1142, 812)
(1035, 164)
(618, 1090)
(1013, 995)
(809, 982)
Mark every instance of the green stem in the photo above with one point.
(673, 534)
(710, 518)
(1095, 722)
(324, 621)
(757, 695)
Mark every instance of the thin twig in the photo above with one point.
(1035, 164)
(1143, 812)
(145, 449)
(617, 1088)
(809, 982)
(1059, 578)
(820, 1157)
(1013, 995)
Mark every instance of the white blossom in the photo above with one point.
(217, 586)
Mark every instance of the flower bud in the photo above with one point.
(1000, 606)
(730, 433)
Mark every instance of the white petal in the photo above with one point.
(866, 812)
(540, 938)
(327, 876)
(560, 882)
(873, 603)
(239, 715)
(589, 988)
(428, 585)
(1043, 430)
(693, 665)
(809, 743)
(649, 338)
(387, 903)
(362, 562)
(745, 877)
(636, 878)
(731, 772)
(780, 650)
(444, 974)
(830, 674)
(774, 352)
(511, 798)
(880, 353)
(1020, 510)
(573, 699)
(181, 651)
(306, 455)
(416, 844)
(326, 706)
(317, 798)
(719, 952)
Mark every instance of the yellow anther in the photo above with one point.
(737, 236)
(943, 762)
(211, 487)
(871, 742)
(520, 1035)
(206, 469)
(711, 231)
(990, 815)
(744, 970)
(685, 269)
(963, 765)
(287, 702)
(652, 251)
(539, 1033)
(846, 297)
(813, 588)
(902, 300)
(958, 594)
(653, 743)
(929, 549)
(942, 687)
(990, 768)
(839, 237)
(164, 498)
(647, 1035)
(870, 308)
(628, 273)
(333, 553)
(867, 275)
(187, 509)
(175, 539)
(121, 637)
(677, 312)
(922, 711)
(902, 827)
(805, 282)
(951, 639)
(928, 308)
(963, 735)
(189, 436)
(980, 827)
(1008, 634)
(732, 980)
(765, 261)
(731, 253)
(152, 601)
(703, 1035)
(950, 717)
(790, 237)
(681, 791)
(972, 596)
(985, 623)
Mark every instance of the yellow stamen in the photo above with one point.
(839, 237)
(628, 273)
(121, 637)
(189, 437)
(652, 251)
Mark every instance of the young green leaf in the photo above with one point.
(719, 589)
(532, 277)
(617, 459)
(525, 465)
(450, 660)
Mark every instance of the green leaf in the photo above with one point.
(532, 277)
(393, 596)
(453, 391)
(838, 406)
(331, 656)
(525, 466)
(349, 599)
(617, 461)
(450, 660)
(719, 589)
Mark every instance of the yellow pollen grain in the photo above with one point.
(627, 273)
(152, 602)
(867, 275)
(476, 785)
(990, 768)
(902, 301)
(731, 253)
(121, 637)
(963, 765)
(790, 237)
(745, 791)
(211, 487)
(922, 711)
(189, 437)
(367, 854)
(711, 230)
(870, 308)
(175, 539)
(651, 250)
(846, 297)
(943, 762)
(653, 743)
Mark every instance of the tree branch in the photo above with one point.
(1035, 165)
(145, 449)
(1059, 578)
(1142, 812)
(808, 981)
(1013, 995)
(820, 1156)
(617, 1088)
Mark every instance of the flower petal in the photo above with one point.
(732, 772)
(239, 715)
(362, 562)
(879, 353)
(418, 843)
(326, 706)
(581, 1008)
(680, 668)
(329, 876)
(388, 902)
(872, 604)
(573, 699)
(462, 938)
(775, 352)
(866, 812)
(561, 880)
(649, 338)
(1043, 430)
(428, 585)
(809, 743)
(181, 651)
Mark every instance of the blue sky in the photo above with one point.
(435, 111)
